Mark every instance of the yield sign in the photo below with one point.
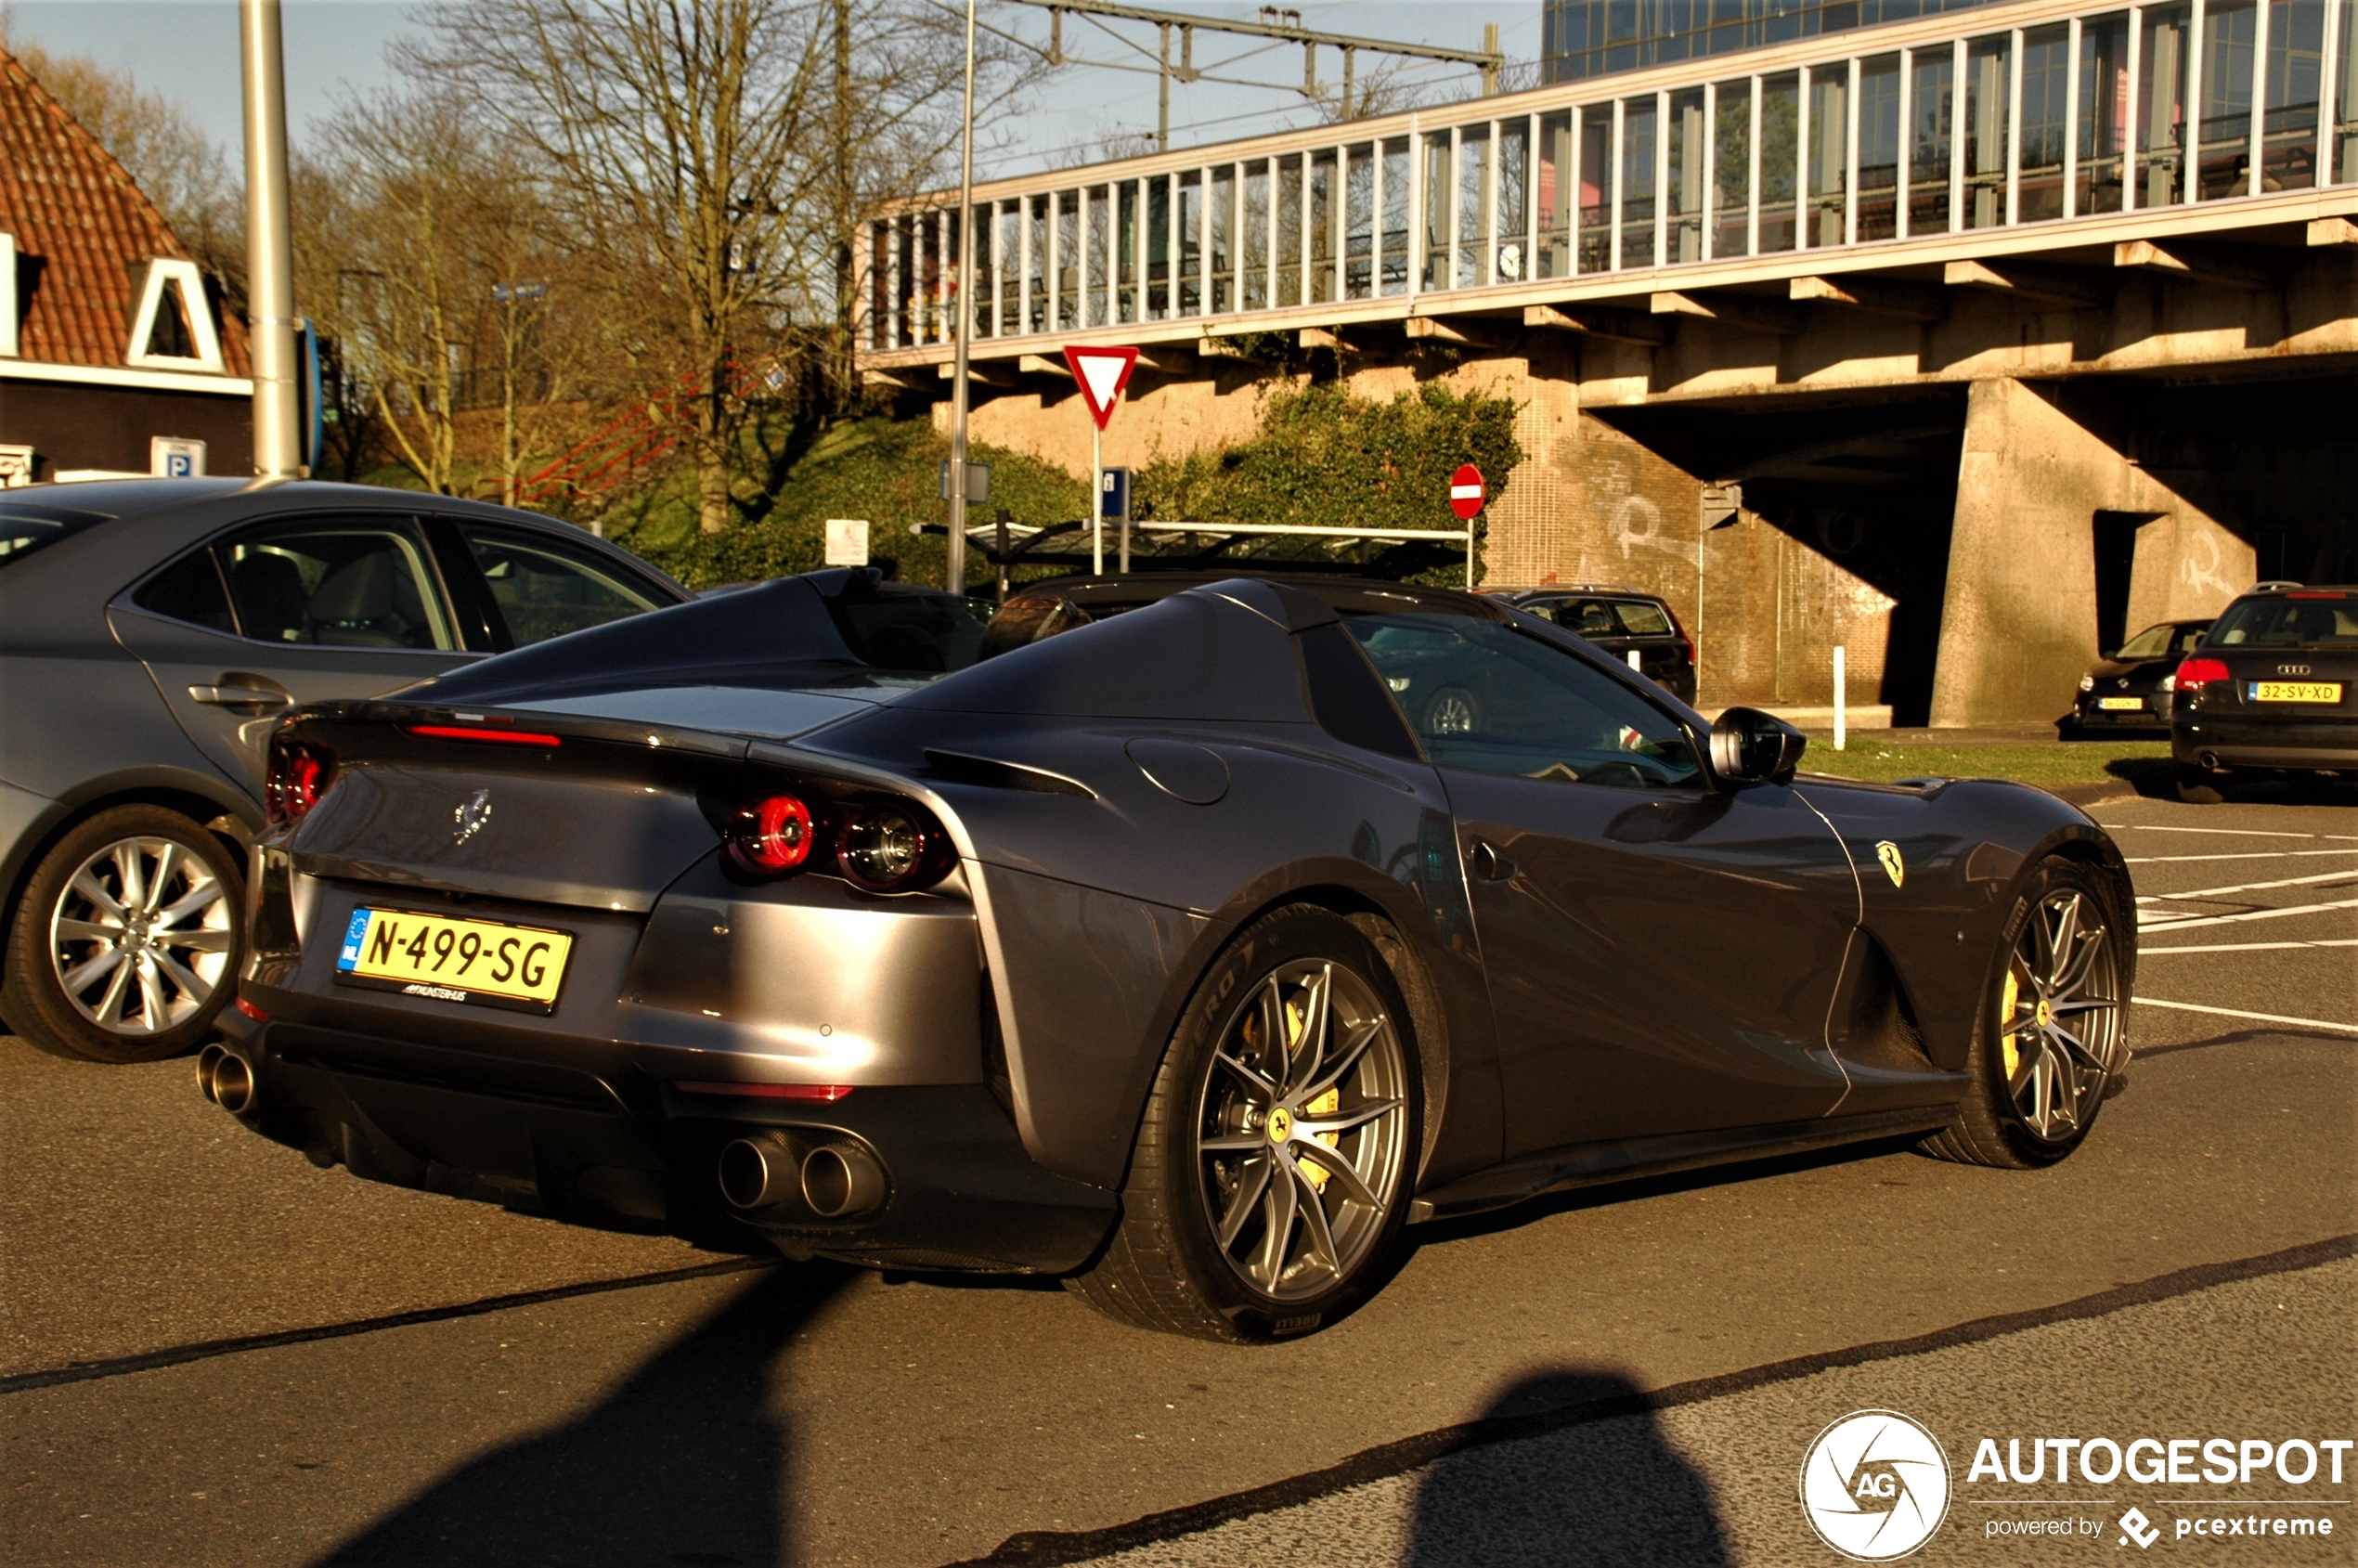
(1101, 373)
(1465, 492)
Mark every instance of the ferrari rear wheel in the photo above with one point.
(1273, 1166)
(2050, 1042)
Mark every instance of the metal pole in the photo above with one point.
(277, 448)
(1842, 700)
(1096, 498)
(955, 572)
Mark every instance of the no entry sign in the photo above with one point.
(1465, 492)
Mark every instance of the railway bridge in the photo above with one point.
(1969, 344)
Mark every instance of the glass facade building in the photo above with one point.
(1584, 38)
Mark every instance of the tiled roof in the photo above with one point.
(82, 229)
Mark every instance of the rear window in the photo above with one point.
(2296, 620)
(25, 528)
(909, 633)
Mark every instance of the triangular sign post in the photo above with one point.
(1101, 373)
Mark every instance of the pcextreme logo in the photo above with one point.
(1874, 1486)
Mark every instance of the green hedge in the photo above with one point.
(1322, 457)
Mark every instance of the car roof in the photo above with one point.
(1114, 591)
(1551, 590)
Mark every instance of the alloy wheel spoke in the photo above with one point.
(204, 895)
(88, 932)
(1345, 1120)
(90, 887)
(1232, 1143)
(197, 939)
(131, 872)
(2081, 965)
(1304, 1067)
(1339, 1169)
(2041, 1064)
(193, 991)
(1252, 1178)
(1319, 1234)
(1276, 1240)
(79, 978)
(162, 877)
(1346, 1059)
(2059, 952)
(2086, 1005)
(1254, 1081)
(110, 1008)
(152, 1002)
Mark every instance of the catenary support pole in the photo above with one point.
(277, 447)
(954, 571)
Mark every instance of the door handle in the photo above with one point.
(240, 697)
(1489, 863)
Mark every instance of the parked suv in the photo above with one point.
(1622, 621)
(152, 632)
(2271, 690)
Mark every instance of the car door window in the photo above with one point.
(332, 582)
(547, 585)
(1640, 619)
(189, 589)
(1488, 698)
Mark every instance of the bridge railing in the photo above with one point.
(2038, 113)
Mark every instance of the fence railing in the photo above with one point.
(1993, 119)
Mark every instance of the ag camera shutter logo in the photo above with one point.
(1874, 1486)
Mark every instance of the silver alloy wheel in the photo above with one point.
(2059, 1015)
(1451, 712)
(140, 936)
(1302, 1131)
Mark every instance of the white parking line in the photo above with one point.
(2173, 923)
(2249, 887)
(2232, 1013)
(2236, 855)
(2228, 832)
(2247, 947)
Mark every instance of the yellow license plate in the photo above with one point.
(2120, 702)
(2296, 691)
(432, 955)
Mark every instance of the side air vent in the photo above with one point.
(987, 772)
(1875, 1024)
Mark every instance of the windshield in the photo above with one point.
(2294, 621)
(24, 529)
(2151, 644)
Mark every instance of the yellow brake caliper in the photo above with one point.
(2009, 1053)
(1312, 1171)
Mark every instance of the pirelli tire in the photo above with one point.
(1273, 1167)
(2050, 1046)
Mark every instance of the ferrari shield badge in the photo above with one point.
(1893, 866)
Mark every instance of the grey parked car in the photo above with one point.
(152, 632)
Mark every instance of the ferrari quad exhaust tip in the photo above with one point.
(838, 1179)
(834, 1181)
(227, 1079)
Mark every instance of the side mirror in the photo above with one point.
(1749, 746)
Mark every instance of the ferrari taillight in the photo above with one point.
(299, 773)
(772, 836)
(2195, 674)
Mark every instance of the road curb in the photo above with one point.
(2095, 794)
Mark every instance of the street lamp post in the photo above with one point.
(954, 576)
(277, 447)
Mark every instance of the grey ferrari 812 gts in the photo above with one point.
(1162, 950)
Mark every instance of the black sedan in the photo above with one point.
(152, 632)
(2129, 688)
(1630, 624)
(1168, 953)
(2271, 691)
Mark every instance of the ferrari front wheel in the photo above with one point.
(2050, 1041)
(1273, 1166)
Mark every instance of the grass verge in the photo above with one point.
(2053, 765)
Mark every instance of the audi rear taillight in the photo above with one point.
(772, 836)
(299, 773)
(2195, 674)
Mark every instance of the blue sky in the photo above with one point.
(188, 48)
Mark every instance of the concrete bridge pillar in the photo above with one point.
(2019, 613)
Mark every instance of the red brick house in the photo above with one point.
(115, 354)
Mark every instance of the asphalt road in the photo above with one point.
(211, 1352)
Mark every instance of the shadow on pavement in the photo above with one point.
(684, 1463)
(1609, 1493)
